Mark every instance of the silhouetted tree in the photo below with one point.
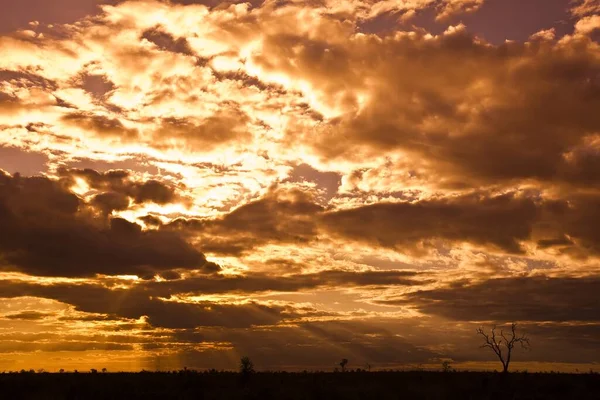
(343, 364)
(246, 366)
(497, 343)
(446, 367)
(104, 370)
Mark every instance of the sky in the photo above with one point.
(183, 183)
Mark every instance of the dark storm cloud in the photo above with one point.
(281, 216)
(117, 187)
(501, 221)
(107, 202)
(45, 230)
(512, 299)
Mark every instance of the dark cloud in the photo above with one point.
(47, 231)
(135, 303)
(29, 315)
(512, 299)
(499, 222)
(117, 188)
(151, 220)
(100, 124)
(107, 202)
(155, 299)
(280, 216)
(27, 79)
(165, 41)
(257, 283)
(502, 221)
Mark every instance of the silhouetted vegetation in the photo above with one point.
(246, 366)
(351, 385)
(343, 364)
(446, 367)
(506, 342)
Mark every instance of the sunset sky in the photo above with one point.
(183, 183)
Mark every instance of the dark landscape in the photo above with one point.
(304, 385)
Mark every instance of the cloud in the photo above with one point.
(516, 222)
(254, 283)
(99, 124)
(307, 157)
(280, 216)
(166, 41)
(47, 231)
(225, 126)
(118, 187)
(28, 315)
(467, 218)
(581, 8)
(450, 8)
(134, 304)
(512, 299)
(468, 121)
(588, 24)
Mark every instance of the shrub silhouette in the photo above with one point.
(343, 364)
(246, 366)
(446, 367)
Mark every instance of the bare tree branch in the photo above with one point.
(496, 343)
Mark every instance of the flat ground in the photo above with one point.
(281, 385)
